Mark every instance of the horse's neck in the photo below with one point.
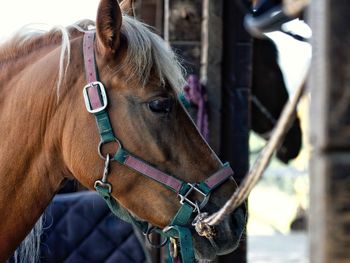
(31, 166)
(23, 197)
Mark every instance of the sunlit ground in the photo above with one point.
(292, 248)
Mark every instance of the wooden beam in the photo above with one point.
(183, 20)
(330, 80)
(330, 208)
(236, 84)
(211, 62)
(330, 133)
(151, 13)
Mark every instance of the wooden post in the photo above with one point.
(211, 62)
(183, 25)
(151, 13)
(236, 83)
(330, 133)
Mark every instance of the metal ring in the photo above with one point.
(148, 237)
(101, 143)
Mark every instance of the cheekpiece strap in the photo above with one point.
(94, 92)
(89, 56)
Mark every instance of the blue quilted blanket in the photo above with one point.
(79, 228)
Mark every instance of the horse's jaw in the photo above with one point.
(226, 240)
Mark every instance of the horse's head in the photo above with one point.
(266, 109)
(142, 80)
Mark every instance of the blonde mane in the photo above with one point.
(146, 50)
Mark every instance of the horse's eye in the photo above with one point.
(161, 105)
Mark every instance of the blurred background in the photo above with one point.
(279, 204)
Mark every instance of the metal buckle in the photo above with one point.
(103, 95)
(184, 198)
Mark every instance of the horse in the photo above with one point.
(268, 97)
(151, 162)
(270, 15)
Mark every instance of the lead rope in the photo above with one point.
(205, 223)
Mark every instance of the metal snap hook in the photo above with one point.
(103, 182)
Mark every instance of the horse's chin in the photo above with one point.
(226, 240)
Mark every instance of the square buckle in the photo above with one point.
(185, 198)
(100, 97)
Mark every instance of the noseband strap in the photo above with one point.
(96, 103)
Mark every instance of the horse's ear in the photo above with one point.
(127, 7)
(108, 24)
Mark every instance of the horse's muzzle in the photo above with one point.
(226, 239)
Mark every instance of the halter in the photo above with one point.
(177, 231)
